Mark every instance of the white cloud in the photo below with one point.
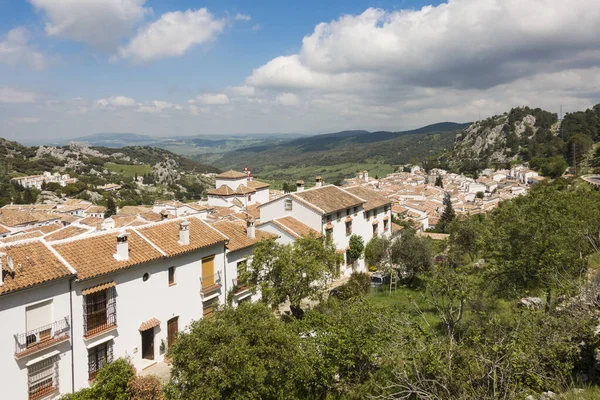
(287, 99)
(243, 90)
(213, 99)
(462, 43)
(99, 23)
(256, 27)
(15, 49)
(172, 35)
(116, 101)
(157, 106)
(242, 17)
(10, 95)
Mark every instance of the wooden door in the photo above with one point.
(208, 271)
(172, 329)
(148, 344)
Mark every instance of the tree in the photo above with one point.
(447, 216)
(241, 353)
(357, 246)
(467, 236)
(579, 145)
(413, 254)
(479, 195)
(439, 182)
(111, 383)
(554, 167)
(536, 242)
(293, 272)
(111, 207)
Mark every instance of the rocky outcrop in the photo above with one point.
(166, 171)
(531, 303)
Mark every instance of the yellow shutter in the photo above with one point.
(208, 271)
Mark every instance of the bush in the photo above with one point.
(145, 388)
(111, 383)
(358, 285)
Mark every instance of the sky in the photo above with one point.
(70, 68)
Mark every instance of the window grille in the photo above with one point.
(43, 378)
(99, 311)
(98, 357)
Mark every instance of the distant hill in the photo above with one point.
(343, 147)
(530, 135)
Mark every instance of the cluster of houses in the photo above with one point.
(36, 181)
(416, 197)
(78, 290)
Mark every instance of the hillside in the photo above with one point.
(323, 152)
(530, 135)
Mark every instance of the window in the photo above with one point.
(100, 311)
(339, 215)
(171, 276)
(355, 211)
(347, 211)
(328, 217)
(288, 204)
(348, 258)
(241, 272)
(386, 208)
(328, 234)
(368, 213)
(98, 357)
(39, 323)
(145, 277)
(249, 197)
(42, 378)
(375, 230)
(385, 225)
(348, 228)
(209, 306)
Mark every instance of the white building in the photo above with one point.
(130, 291)
(331, 211)
(237, 188)
(36, 181)
(180, 209)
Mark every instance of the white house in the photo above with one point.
(36, 181)
(239, 249)
(180, 209)
(75, 304)
(332, 211)
(35, 347)
(238, 188)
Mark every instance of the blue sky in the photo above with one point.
(70, 68)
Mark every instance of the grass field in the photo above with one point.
(330, 173)
(129, 170)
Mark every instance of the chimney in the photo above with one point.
(366, 176)
(299, 186)
(184, 233)
(164, 215)
(250, 228)
(122, 247)
(318, 182)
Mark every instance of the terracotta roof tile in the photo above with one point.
(3, 230)
(257, 184)
(95, 209)
(134, 210)
(374, 199)
(91, 221)
(244, 190)
(15, 218)
(33, 263)
(151, 323)
(223, 190)
(29, 235)
(165, 235)
(329, 198)
(45, 229)
(238, 238)
(295, 227)
(67, 232)
(93, 256)
(231, 174)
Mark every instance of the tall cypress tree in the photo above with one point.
(447, 216)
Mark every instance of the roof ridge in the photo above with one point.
(57, 255)
(149, 242)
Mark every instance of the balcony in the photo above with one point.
(210, 284)
(42, 338)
